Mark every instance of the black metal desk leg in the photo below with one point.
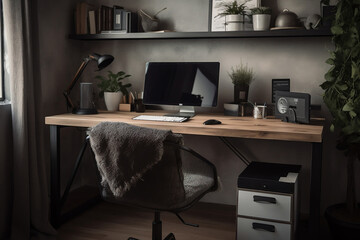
(315, 191)
(55, 175)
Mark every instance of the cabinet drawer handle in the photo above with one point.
(262, 199)
(265, 227)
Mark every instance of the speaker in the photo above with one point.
(292, 106)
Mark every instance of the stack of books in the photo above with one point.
(92, 20)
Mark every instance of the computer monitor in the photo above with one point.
(186, 84)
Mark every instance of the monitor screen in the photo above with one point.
(182, 83)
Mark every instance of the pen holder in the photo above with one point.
(259, 112)
(139, 106)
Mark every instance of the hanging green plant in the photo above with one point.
(342, 87)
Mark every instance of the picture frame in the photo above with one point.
(217, 24)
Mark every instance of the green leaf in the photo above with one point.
(332, 128)
(352, 114)
(343, 97)
(330, 61)
(329, 76)
(337, 30)
(354, 70)
(352, 93)
(348, 107)
(342, 87)
(326, 85)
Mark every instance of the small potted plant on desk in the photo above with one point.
(234, 15)
(241, 77)
(342, 97)
(112, 89)
(261, 18)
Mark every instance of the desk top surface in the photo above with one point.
(232, 126)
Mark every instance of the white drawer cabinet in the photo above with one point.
(265, 216)
(267, 204)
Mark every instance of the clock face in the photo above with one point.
(282, 105)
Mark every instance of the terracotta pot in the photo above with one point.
(341, 229)
(241, 93)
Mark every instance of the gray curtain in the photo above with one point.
(30, 188)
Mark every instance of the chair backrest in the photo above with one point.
(161, 186)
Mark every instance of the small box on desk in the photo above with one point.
(126, 107)
(267, 201)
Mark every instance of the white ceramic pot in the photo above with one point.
(234, 22)
(112, 100)
(261, 22)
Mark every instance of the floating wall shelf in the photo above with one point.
(205, 35)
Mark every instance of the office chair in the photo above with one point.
(177, 178)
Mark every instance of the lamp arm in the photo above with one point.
(72, 84)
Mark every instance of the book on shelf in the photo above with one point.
(92, 24)
(82, 20)
(116, 19)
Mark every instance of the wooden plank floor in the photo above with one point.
(108, 221)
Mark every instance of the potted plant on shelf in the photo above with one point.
(234, 15)
(261, 17)
(342, 96)
(112, 89)
(241, 77)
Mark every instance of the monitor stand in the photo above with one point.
(184, 111)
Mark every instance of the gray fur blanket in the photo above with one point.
(125, 152)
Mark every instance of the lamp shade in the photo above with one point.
(104, 61)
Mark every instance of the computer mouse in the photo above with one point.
(212, 122)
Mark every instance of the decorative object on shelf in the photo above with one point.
(313, 22)
(148, 22)
(342, 97)
(102, 62)
(287, 20)
(234, 15)
(217, 23)
(241, 77)
(112, 89)
(261, 17)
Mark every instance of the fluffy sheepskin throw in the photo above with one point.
(124, 153)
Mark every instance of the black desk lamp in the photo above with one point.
(102, 62)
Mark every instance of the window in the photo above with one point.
(1, 55)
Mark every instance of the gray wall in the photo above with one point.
(300, 59)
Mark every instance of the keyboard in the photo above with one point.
(161, 118)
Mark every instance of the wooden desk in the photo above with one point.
(240, 127)
(243, 127)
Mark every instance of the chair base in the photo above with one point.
(170, 236)
(157, 230)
